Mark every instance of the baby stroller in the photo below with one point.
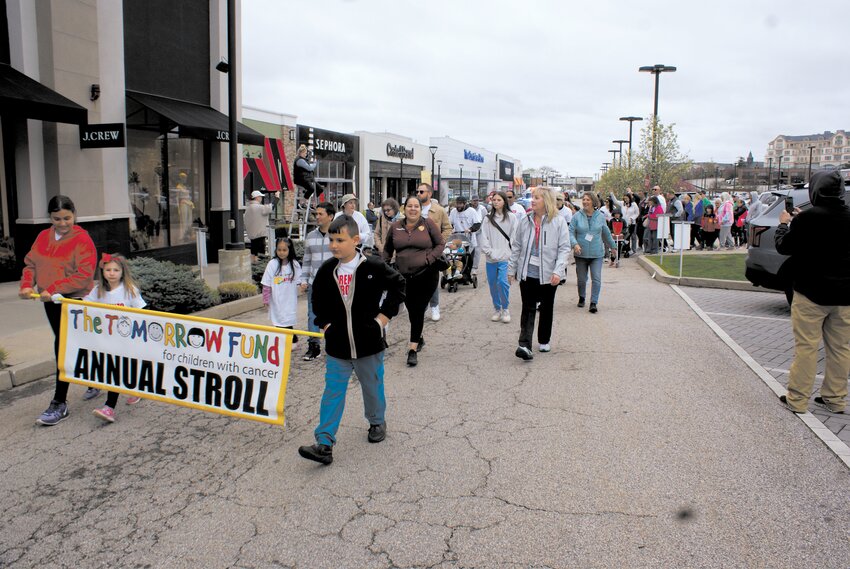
(458, 253)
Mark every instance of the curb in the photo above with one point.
(24, 373)
(661, 276)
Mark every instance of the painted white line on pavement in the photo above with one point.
(748, 316)
(836, 445)
(786, 372)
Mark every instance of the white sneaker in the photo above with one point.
(435, 313)
(497, 315)
(544, 348)
(506, 316)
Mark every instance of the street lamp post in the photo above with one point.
(769, 170)
(236, 240)
(621, 143)
(433, 150)
(656, 70)
(716, 178)
(614, 157)
(439, 178)
(631, 123)
(461, 179)
(478, 184)
(811, 150)
(401, 196)
(779, 173)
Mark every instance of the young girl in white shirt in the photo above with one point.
(113, 285)
(280, 288)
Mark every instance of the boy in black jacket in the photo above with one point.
(353, 316)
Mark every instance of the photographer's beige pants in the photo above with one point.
(811, 323)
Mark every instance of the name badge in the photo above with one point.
(534, 260)
(589, 237)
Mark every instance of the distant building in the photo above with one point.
(829, 149)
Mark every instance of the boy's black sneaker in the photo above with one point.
(377, 433)
(420, 344)
(319, 453)
(313, 352)
(580, 302)
(593, 308)
(412, 360)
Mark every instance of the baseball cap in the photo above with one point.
(256, 194)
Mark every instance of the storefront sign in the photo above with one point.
(474, 156)
(506, 170)
(328, 145)
(106, 135)
(399, 151)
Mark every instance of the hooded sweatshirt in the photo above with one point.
(65, 266)
(817, 242)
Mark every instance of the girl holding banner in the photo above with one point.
(115, 285)
(62, 261)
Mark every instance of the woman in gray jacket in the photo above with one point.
(538, 261)
(497, 231)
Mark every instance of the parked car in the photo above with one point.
(765, 267)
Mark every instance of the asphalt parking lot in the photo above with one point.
(760, 323)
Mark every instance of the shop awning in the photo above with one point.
(24, 97)
(194, 120)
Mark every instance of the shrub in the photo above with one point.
(171, 288)
(4, 355)
(258, 267)
(236, 290)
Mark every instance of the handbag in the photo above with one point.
(646, 222)
(441, 263)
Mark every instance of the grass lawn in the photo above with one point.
(726, 267)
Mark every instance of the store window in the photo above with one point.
(332, 175)
(166, 187)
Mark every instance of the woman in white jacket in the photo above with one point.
(494, 240)
(539, 253)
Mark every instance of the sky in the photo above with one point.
(546, 81)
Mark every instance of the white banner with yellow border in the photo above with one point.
(231, 368)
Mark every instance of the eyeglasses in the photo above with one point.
(421, 191)
(389, 211)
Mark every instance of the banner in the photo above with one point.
(225, 367)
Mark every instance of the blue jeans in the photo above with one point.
(595, 266)
(370, 374)
(310, 317)
(497, 278)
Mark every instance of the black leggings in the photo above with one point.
(54, 316)
(533, 292)
(418, 291)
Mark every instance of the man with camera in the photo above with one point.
(817, 241)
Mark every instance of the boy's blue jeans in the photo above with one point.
(595, 266)
(370, 373)
(497, 278)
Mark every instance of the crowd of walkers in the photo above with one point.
(400, 252)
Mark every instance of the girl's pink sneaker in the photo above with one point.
(106, 413)
(132, 400)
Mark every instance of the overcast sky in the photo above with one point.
(546, 81)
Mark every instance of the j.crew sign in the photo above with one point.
(106, 135)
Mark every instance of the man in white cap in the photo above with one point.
(257, 222)
(348, 206)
